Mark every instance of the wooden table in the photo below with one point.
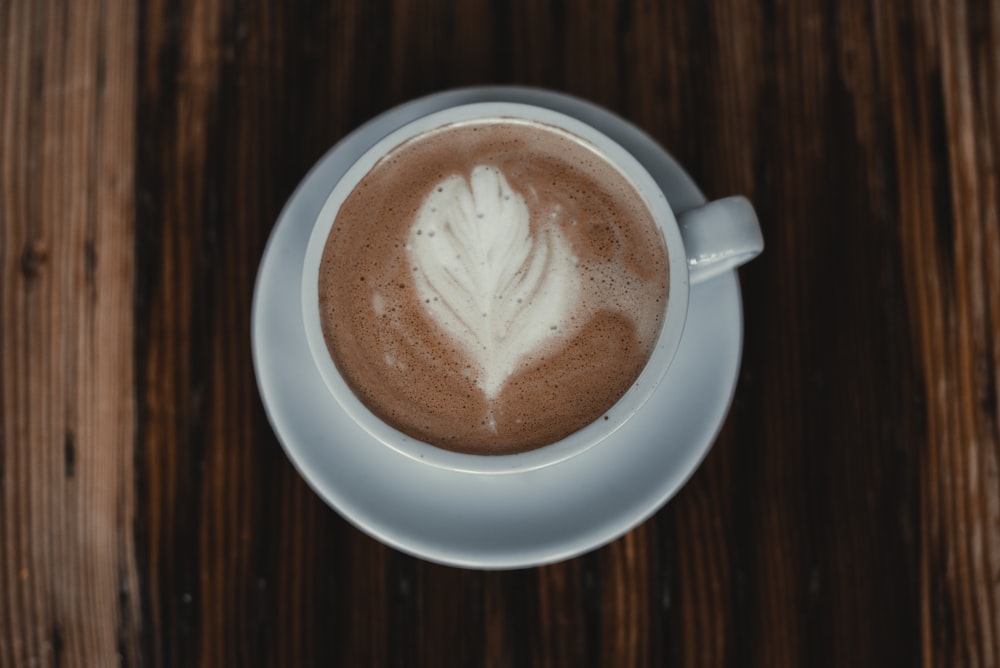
(849, 513)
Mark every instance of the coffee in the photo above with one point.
(492, 286)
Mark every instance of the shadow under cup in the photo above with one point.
(575, 443)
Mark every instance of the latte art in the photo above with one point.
(497, 289)
(492, 286)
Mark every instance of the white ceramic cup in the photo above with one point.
(701, 243)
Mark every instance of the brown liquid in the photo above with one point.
(420, 379)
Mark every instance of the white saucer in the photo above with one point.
(505, 521)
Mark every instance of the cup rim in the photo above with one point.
(575, 443)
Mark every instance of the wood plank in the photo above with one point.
(69, 592)
(956, 325)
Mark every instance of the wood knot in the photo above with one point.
(33, 258)
(69, 453)
(89, 261)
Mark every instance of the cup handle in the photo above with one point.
(719, 236)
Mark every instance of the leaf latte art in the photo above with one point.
(495, 288)
(492, 286)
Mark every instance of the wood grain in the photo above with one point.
(69, 586)
(849, 512)
(955, 237)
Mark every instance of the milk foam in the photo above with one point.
(498, 290)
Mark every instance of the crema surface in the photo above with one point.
(491, 287)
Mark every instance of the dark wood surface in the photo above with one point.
(849, 513)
